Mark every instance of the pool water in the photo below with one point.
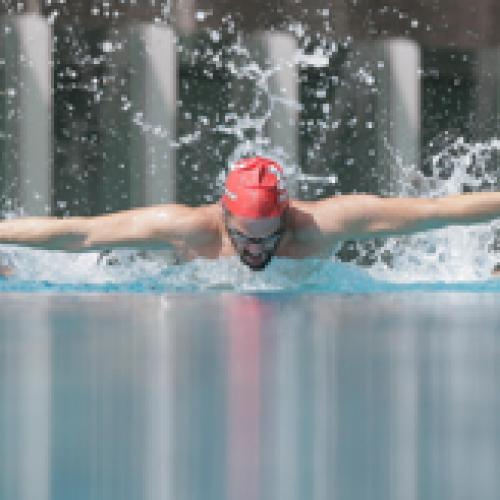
(135, 378)
(131, 378)
(66, 274)
(249, 395)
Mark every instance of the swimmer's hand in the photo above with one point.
(496, 271)
(6, 271)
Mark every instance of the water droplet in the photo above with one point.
(201, 15)
(52, 17)
(215, 36)
(107, 46)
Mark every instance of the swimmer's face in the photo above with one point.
(255, 240)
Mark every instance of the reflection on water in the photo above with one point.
(249, 397)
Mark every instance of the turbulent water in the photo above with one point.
(227, 275)
(453, 258)
(457, 253)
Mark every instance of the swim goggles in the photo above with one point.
(268, 242)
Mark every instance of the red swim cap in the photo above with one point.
(255, 188)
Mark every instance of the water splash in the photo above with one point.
(36, 272)
(457, 253)
(451, 255)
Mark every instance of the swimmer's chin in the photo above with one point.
(257, 267)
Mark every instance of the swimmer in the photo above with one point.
(255, 219)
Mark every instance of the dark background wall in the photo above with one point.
(89, 143)
(443, 23)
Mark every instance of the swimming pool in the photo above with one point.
(249, 396)
(132, 378)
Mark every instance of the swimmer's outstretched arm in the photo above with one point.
(150, 227)
(365, 216)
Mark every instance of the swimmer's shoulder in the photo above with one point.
(189, 218)
(205, 218)
(314, 221)
(304, 215)
(301, 220)
(199, 224)
(327, 214)
(189, 231)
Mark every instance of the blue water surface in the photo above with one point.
(310, 275)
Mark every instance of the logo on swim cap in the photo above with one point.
(255, 188)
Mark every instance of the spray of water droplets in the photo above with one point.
(455, 253)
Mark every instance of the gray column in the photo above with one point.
(9, 51)
(34, 84)
(265, 95)
(284, 94)
(139, 118)
(488, 92)
(154, 95)
(399, 113)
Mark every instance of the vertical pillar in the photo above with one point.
(9, 51)
(270, 101)
(34, 39)
(399, 114)
(115, 125)
(154, 92)
(488, 85)
(488, 93)
(283, 89)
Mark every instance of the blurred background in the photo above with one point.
(106, 105)
(111, 104)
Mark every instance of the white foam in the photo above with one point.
(456, 253)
